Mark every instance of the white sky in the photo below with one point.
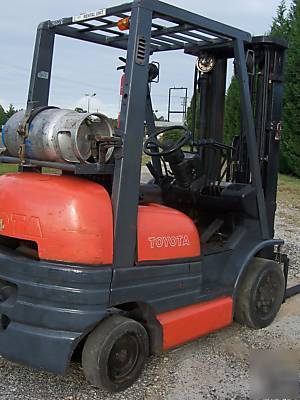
(81, 68)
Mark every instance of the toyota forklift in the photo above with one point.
(95, 263)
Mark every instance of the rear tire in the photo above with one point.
(114, 354)
(260, 294)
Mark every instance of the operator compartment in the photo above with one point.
(60, 218)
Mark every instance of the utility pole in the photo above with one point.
(89, 96)
(184, 99)
(184, 107)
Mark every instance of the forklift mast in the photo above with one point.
(269, 67)
(265, 62)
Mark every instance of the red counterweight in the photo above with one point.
(70, 219)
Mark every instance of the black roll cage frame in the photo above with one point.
(155, 27)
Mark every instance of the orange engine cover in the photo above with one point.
(69, 218)
(166, 233)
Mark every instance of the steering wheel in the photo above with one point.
(152, 145)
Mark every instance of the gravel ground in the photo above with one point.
(291, 235)
(213, 367)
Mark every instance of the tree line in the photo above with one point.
(285, 25)
(6, 114)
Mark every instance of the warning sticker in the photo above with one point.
(43, 75)
(89, 16)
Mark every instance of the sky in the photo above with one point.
(81, 68)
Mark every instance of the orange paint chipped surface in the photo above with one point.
(69, 218)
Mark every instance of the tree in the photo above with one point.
(281, 24)
(291, 132)
(10, 112)
(189, 115)
(2, 116)
(281, 28)
(232, 118)
(80, 110)
(292, 13)
(5, 115)
(173, 135)
(232, 112)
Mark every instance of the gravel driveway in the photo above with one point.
(213, 367)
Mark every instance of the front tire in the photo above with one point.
(260, 294)
(114, 354)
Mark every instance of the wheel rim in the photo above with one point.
(123, 357)
(266, 296)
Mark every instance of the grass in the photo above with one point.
(288, 198)
(289, 191)
(4, 168)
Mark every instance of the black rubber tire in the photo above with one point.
(101, 347)
(249, 306)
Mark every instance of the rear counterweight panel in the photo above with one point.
(53, 307)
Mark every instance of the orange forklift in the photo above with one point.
(95, 263)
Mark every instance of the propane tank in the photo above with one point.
(56, 135)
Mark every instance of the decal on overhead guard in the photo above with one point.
(89, 15)
(43, 75)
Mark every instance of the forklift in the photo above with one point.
(96, 264)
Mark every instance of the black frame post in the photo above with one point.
(194, 105)
(247, 113)
(126, 183)
(39, 87)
